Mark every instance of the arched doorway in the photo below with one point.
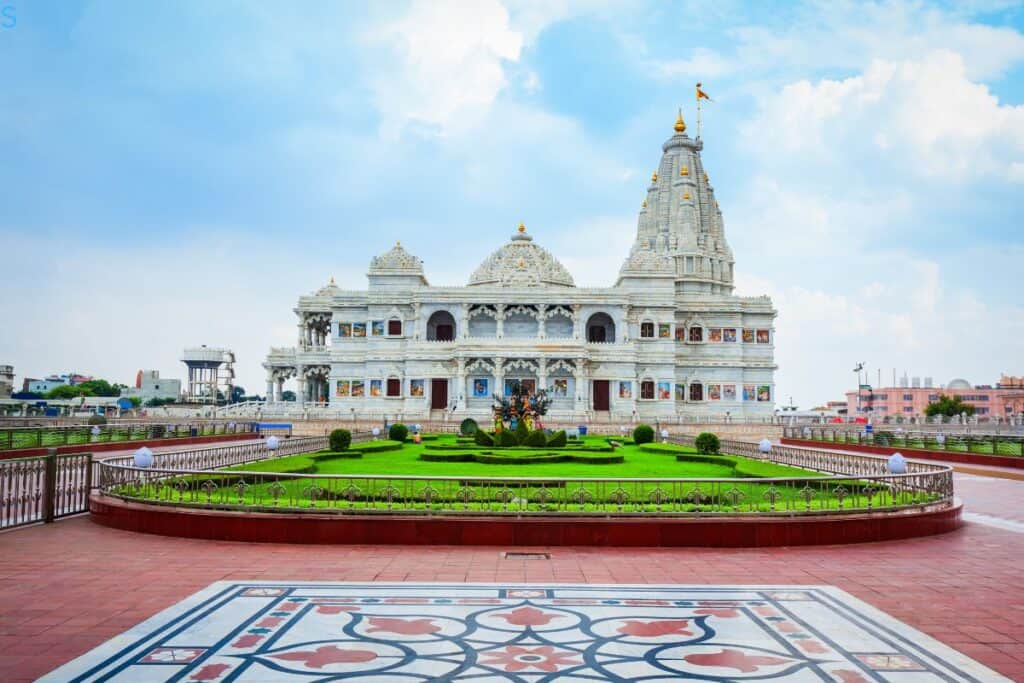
(441, 326)
(600, 328)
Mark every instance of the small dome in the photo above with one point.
(521, 263)
(959, 383)
(328, 289)
(396, 261)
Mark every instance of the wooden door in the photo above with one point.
(438, 394)
(601, 389)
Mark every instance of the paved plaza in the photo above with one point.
(69, 587)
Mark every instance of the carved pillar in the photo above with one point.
(460, 390)
(499, 376)
(541, 316)
(577, 322)
(464, 323)
(302, 333)
(270, 387)
(300, 395)
(499, 316)
(279, 395)
(416, 320)
(580, 375)
(542, 374)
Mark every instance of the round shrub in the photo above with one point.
(468, 427)
(707, 443)
(97, 420)
(482, 438)
(643, 434)
(537, 439)
(506, 439)
(398, 432)
(558, 439)
(340, 439)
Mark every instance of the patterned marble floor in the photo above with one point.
(325, 631)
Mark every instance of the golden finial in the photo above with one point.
(332, 279)
(705, 177)
(686, 194)
(643, 204)
(522, 263)
(398, 243)
(685, 170)
(522, 228)
(680, 126)
(654, 177)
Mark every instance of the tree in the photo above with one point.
(67, 391)
(237, 394)
(288, 395)
(135, 401)
(98, 387)
(948, 406)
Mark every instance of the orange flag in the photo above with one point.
(702, 94)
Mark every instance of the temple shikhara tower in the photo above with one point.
(668, 338)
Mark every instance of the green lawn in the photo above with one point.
(379, 480)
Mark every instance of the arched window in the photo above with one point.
(600, 328)
(394, 386)
(696, 392)
(394, 328)
(696, 334)
(647, 330)
(647, 389)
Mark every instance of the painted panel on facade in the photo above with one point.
(343, 389)
(481, 387)
(344, 329)
(416, 387)
(729, 335)
(680, 392)
(377, 328)
(764, 393)
(680, 334)
(728, 392)
(714, 392)
(715, 335)
(376, 387)
(560, 388)
(358, 388)
(625, 390)
(664, 391)
(664, 331)
(748, 336)
(358, 329)
(763, 337)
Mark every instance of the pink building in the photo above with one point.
(1004, 400)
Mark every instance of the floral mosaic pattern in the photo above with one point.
(439, 632)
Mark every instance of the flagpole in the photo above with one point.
(698, 116)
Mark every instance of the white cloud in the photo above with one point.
(926, 115)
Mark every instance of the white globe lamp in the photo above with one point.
(764, 445)
(273, 443)
(897, 464)
(143, 457)
(376, 432)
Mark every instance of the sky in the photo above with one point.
(178, 173)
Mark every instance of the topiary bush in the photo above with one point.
(340, 439)
(643, 434)
(482, 438)
(97, 420)
(558, 439)
(707, 443)
(537, 439)
(398, 432)
(468, 427)
(506, 439)
(522, 432)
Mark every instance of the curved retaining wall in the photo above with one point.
(510, 531)
(941, 456)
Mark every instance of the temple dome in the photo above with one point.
(959, 383)
(521, 263)
(396, 261)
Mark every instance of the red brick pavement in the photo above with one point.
(67, 587)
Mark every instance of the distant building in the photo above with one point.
(41, 386)
(149, 385)
(1003, 400)
(6, 381)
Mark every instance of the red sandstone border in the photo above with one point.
(126, 445)
(732, 532)
(943, 456)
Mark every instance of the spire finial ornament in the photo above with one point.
(680, 126)
(685, 170)
(643, 205)
(522, 228)
(654, 177)
(332, 279)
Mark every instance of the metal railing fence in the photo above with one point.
(985, 444)
(44, 489)
(44, 437)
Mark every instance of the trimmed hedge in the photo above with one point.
(520, 457)
(558, 439)
(482, 438)
(537, 438)
(340, 439)
(522, 432)
(376, 446)
(398, 432)
(506, 439)
(643, 434)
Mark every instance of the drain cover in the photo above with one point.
(527, 556)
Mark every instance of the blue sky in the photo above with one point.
(178, 173)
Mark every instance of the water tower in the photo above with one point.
(209, 370)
